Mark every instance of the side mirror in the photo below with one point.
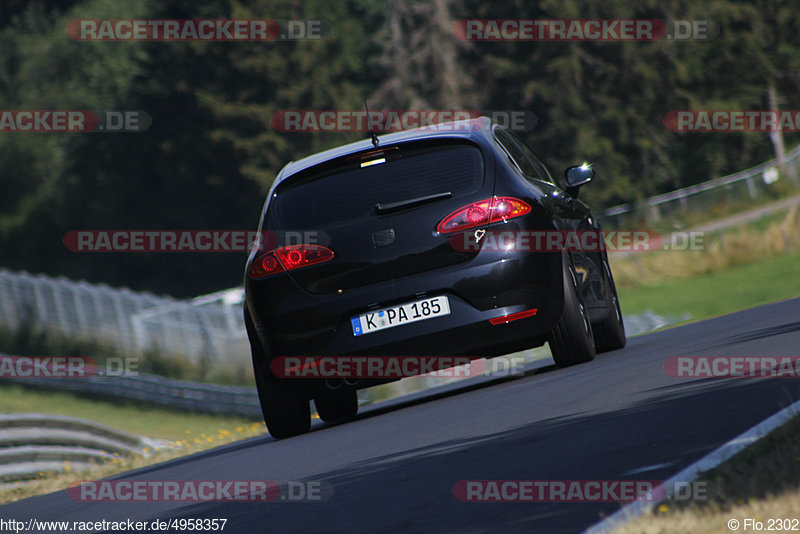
(576, 176)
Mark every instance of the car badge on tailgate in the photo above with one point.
(383, 238)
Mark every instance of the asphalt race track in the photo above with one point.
(393, 469)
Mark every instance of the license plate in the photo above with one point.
(405, 313)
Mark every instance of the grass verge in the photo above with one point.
(737, 269)
(726, 290)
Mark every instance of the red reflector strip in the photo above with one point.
(514, 316)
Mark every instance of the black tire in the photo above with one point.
(286, 412)
(571, 341)
(609, 334)
(337, 405)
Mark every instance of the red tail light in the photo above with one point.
(483, 212)
(265, 265)
(288, 258)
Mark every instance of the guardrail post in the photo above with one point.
(751, 188)
(655, 213)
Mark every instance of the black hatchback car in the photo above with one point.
(386, 218)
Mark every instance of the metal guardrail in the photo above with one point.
(653, 207)
(176, 394)
(31, 444)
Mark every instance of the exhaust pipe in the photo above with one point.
(351, 381)
(334, 383)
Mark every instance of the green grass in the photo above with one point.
(143, 420)
(724, 291)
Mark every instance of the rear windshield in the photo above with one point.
(352, 192)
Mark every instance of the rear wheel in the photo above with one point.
(609, 334)
(286, 411)
(337, 405)
(571, 341)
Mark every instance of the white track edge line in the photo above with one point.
(706, 463)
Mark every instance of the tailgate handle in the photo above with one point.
(394, 206)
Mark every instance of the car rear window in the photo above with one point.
(351, 192)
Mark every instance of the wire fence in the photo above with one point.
(209, 328)
(713, 197)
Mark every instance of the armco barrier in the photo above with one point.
(747, 185)
(31, 444)
(177, 394)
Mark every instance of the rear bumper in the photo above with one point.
(295, 323)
